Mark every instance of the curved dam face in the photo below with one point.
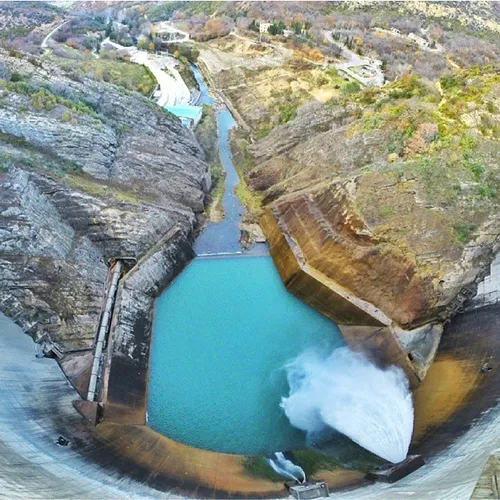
(454, 430)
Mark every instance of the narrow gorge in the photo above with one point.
(249, 250)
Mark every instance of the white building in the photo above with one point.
(263, 27)
(418, 40)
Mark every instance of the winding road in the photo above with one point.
(47, 38)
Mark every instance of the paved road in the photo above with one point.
(173, 89)
(47, 38)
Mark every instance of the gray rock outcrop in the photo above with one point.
(88, 172)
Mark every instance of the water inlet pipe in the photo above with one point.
(103, 330)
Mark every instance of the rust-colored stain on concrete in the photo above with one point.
(447, 387)
(185, 464)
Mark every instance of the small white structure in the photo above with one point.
(263, 27)
(418, 40)
(288, 33)
(395, 31)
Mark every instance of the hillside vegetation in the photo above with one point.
(417, 165)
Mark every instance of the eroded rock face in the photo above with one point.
(410, 232)
(88, 172)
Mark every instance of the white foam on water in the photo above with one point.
(346, 392)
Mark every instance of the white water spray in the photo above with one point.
(286, 468)
(346, 392)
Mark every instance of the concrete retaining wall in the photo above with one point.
(124, 391)
(488, 290)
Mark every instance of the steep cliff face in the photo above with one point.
(88, 172)
(392, 194)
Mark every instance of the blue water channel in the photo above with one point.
(223, 331)
(222, 237)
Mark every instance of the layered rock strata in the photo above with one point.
(88, 172)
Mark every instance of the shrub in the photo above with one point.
(43, 100)
(351, 88)
(485, 191)
(477, 170)
(66, 116)
(449, 83)
(16, 77)
(287, 112)
(464, 231)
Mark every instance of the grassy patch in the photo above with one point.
(95, 188)
(5, 162)
(257, 466)
(249, 199)
(262, 132)
(14, 140)
(43, 99)
(131, 76)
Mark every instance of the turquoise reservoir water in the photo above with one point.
(223, 331)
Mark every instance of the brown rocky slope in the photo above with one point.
(389, 196)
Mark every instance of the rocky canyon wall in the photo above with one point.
(89, 171)
(379, 216)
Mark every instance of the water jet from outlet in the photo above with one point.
(346, 392)
(286, 468)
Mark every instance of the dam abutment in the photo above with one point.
(364, 327)
(124, 387)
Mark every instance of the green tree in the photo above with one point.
(253, 26)
(297, 28)
(109, 28)
(277, 28)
